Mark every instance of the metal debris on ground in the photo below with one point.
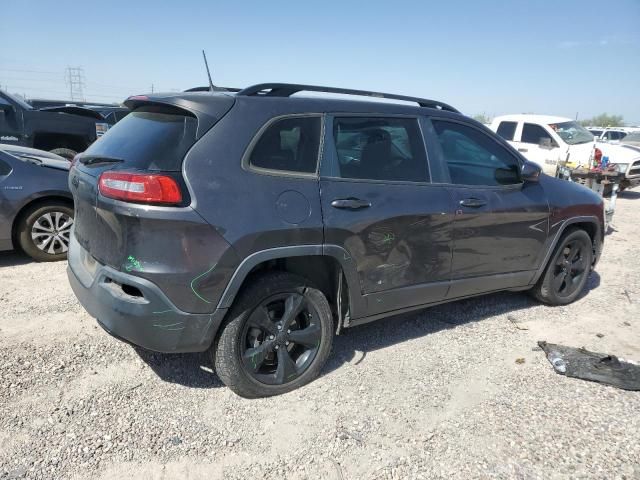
(592, 366)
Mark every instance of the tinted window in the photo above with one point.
(507, 130)
(289, 144)
(380, 149)
(120, 115)
(597, 133)
(474, 158)
(613, 135)
(148, 139)
(532, 133)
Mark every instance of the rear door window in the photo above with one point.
(507, 130)
(288, 145)
(149, 139)
(372, 148)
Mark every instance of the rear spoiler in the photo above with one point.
(207, 109)
(83, 112)
(208, 89)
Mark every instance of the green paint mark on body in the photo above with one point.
(196, 279)
(133, 263)
(163, 311)
(171, 326)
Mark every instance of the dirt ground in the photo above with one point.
(434, 394)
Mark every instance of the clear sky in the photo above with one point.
(482, 56)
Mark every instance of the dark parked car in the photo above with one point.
(63, 130)
(36, 206)
(257, 224)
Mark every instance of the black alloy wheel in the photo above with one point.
(276, 338)
(570, 268)
(281, 339)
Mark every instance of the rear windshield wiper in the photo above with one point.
(93, 159)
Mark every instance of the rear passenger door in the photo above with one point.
(501, 223)
(380, 206)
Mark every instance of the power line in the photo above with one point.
(28, 71)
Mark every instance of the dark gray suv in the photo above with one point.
(257, 224)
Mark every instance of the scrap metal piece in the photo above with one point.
(592, 366)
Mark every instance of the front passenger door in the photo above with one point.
(537, 145)
(501, 223)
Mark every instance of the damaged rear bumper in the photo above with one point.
(135, 310)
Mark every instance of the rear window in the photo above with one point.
(149, 139)
(289, 145)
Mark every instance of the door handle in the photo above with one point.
(350, 203)
(523, 150)
(472, 202)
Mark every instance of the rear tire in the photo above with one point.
(43, 232)
(65, 153)
(568, 270)
(278, 336)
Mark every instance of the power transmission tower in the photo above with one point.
(75, 79)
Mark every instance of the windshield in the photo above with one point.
(18, 100)
(572, 132)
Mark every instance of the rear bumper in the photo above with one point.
(139, 313)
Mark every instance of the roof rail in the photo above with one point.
(288, 89)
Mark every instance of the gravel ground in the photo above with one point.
(434, 394)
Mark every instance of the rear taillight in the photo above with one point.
(140, 188)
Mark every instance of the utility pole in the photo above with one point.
(74, 77)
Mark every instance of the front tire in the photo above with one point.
(568, 270)
(278, 336)
(44, 231)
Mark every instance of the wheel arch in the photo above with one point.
(35, 203)
(589, 224)
(321, 264)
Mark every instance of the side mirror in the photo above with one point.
(545, 143)
(531, 171)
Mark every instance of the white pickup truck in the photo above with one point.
(547, 140)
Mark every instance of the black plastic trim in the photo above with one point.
(556, 239)
(356, 301)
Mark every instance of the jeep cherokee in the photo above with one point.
(259, 223)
